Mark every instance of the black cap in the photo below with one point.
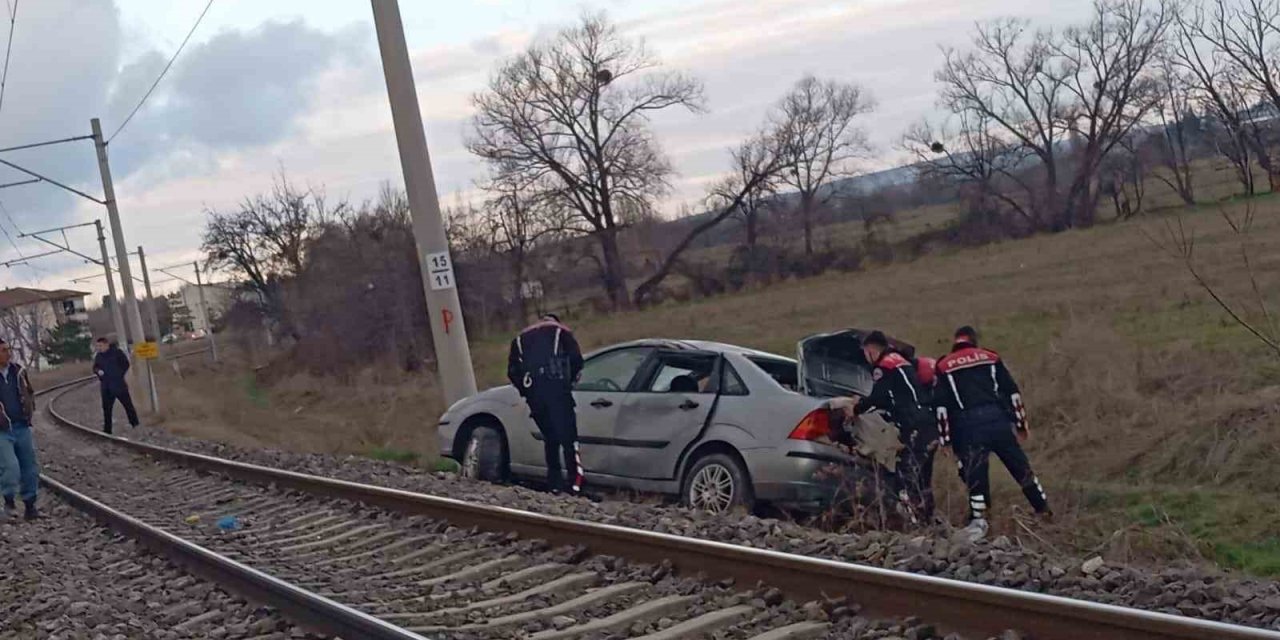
(967, 334)
(551, 316)
(876, 338)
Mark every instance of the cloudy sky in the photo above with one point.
(296, 85)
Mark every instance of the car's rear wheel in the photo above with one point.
(484, 456)
(717, 483)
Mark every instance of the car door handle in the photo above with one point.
(601, 403)
(688, 405)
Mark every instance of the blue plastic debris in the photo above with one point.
(228, 523)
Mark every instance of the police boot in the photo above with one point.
(10, 508)
(977, 529)
(31, 512)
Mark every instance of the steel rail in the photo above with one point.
(308, 609)
(968, 608)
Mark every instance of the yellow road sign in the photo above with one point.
(146, 350)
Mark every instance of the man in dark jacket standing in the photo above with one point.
(18, 467)
(896, 391)
(110, 365)
(544, 363)
(980, 412)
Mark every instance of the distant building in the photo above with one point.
(27, 316)
(218, 296)
(179, 312)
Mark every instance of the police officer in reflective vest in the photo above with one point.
(544, 363)
(896, 391)
(980, 412)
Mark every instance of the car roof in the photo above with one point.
(697, 345)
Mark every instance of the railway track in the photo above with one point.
(363, 561)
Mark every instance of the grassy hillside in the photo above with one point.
(1154, 416)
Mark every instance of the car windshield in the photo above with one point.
(782, 371)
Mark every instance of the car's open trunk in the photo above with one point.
(832, 365)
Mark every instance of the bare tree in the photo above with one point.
(1123, 178)
(1068, 98)
(361, 285)
(815, 124)
(1008, 86)
(516, 218)
(1107, 71)
(1174, 142)
(1224, 95)
(1246, 32)
(758, 161)
(755, 201)
(266, 239)
(21, 329)
(572, 112)
(464, 226)
(970, 156)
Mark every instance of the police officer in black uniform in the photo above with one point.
(980, 412)
(896, 391)
(544, 363)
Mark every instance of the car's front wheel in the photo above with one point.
(484, 457)
(717, 483)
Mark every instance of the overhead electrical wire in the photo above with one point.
(4, 77)
(9, 216)
(162, 73)
(14, 243)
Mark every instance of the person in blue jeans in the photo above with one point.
(19, 471)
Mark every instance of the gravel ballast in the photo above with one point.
(438, 573)
(63, 576)
(1001, 562)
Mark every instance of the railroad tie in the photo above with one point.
(588, 599)
(797, 631)
(206, 617)
(703, 624)
(398, 544)
(540, 572)
(625, 618)
(317, 528)
(482, 570)
(536, 572)
(565, 583)
(353, 549)
(435, 564)
(414, 555)
(328, 542)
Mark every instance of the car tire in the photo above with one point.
(484, 455)
(717, 483)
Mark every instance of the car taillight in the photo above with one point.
(815, 426)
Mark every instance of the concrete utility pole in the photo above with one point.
(151, 299)
(35, 337)
(449, 333)
(132, 316)
(155, 327)
(116, 317)
(204, 311)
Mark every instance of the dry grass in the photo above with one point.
(376, 412)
